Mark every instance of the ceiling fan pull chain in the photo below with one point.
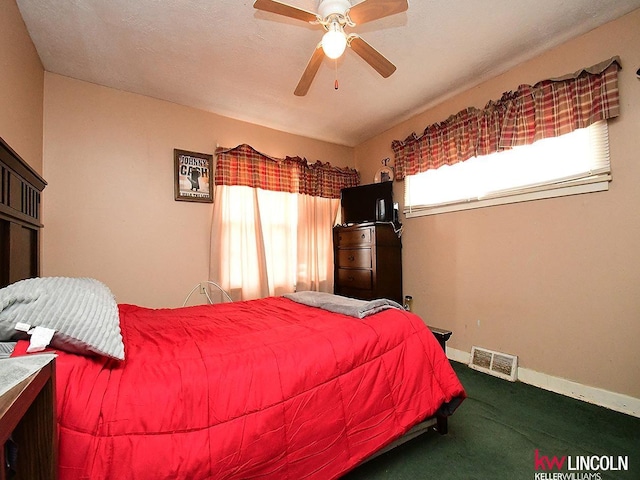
(335, 85)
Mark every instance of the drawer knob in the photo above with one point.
(351, 258)
(362, 236)
(351, 279)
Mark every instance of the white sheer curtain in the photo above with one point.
(316, 217)
(268, 243)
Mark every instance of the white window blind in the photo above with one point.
(577, 162)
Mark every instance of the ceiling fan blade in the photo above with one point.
(370, 55)
(290, 11)
(369, 10)
(310, 72)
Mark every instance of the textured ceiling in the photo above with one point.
(226, 57)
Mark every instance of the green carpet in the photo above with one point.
(495, 432)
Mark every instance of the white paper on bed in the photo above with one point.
(40, 339)
(345, 305)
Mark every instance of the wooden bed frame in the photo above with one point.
(20, 225)
(20, 190)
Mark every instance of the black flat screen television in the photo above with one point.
(367, 203)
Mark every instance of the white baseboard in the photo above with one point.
(458, 355)
(597, 396)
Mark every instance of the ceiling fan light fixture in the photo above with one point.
(334, 16)
(334, 41)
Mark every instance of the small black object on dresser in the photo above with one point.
(368, 261)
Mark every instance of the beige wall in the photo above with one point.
(556, 282)
(21, 87)
(109, 206)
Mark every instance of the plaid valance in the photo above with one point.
(243, 165)
(547, 109)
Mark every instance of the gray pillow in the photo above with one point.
(82, 311)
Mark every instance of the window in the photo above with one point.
(260, 234)
(271, 230)
(538, 141)
(269, 243)
(577, 162)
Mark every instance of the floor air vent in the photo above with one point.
(498, 364)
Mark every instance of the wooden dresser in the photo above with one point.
(368, 261)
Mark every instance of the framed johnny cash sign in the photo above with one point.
(193, 176)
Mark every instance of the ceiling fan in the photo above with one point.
(334, 15)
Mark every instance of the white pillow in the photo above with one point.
(82, 311)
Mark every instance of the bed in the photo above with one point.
(270, 388)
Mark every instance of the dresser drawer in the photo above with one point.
(367, 261)
(355, 237)
(360, 279)
(354, 258)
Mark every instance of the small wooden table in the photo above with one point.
(441, 335)
(27, 414)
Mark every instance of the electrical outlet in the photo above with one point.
(203, 290)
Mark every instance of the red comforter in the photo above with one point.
(261, 389)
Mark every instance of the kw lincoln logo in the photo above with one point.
(577, 467)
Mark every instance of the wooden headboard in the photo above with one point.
(20, 189)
